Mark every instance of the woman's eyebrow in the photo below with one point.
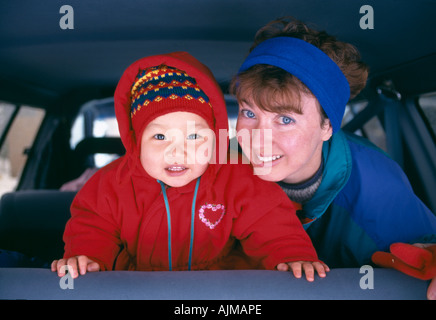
(245, 102)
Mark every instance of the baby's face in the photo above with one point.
(176, 148)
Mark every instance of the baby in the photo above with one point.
(172, 202)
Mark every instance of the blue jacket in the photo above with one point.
(364, 204)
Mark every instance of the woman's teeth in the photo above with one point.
(268, 159)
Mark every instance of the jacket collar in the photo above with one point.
(337, 169)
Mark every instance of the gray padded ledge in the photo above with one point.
(18, 283)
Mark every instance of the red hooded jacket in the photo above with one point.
(123, 219)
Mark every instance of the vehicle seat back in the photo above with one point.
(33, 222)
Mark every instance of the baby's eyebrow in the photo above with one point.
(158, 125)
(201, 126)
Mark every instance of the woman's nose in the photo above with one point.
(261, 139)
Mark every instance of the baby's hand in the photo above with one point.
(74, 264)
(308, 267)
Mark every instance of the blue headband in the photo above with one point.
(309, 64)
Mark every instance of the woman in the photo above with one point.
(292, 90)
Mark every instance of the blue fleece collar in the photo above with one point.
(337, 170)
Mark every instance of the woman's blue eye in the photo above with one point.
(248, 113)
(159, 136)
(286, 120)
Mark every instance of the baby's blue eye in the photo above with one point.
(159, 136)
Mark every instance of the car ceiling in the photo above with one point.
(39, 60)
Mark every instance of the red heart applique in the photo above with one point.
(211, 214)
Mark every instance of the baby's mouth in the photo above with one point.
(176, 170)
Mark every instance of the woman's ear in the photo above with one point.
(327, 130)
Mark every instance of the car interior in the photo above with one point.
(61, 80)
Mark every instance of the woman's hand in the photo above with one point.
(308, 267)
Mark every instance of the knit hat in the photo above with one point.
(163, 89)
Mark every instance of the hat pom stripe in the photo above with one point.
(162, 89)
(162, 82)
(167, 93)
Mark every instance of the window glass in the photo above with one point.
(375, 133)
(232, 112)
(77, 131)
(428, 106)
(6, 112)
(373, 129)
(19, 139)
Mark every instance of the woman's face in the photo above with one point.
(283, 147)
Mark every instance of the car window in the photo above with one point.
(372, 129)
(6, 113)
(428, 106)
(232, 112)
(19, 126)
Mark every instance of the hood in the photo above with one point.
(205, 80)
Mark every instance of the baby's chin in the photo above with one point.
(174, 184)
(178, 181)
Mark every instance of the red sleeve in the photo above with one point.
(91, 230)
(268, 227)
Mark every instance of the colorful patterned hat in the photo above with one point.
(162, 89)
